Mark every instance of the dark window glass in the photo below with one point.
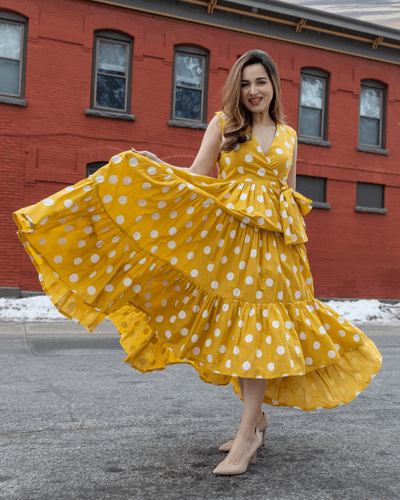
(312, 187)
(11, 52)
(371, 113)
(313, 103)
(91, 168)
(370, 195)
(112, 70)
(190, 84)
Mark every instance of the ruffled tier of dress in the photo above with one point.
(239, 305)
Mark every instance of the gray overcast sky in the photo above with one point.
(386, 12)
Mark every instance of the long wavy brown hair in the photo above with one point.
(239, 117)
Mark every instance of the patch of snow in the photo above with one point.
(367, 311)
(37, 308)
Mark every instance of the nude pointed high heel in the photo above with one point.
(225, 469)
(262, 427)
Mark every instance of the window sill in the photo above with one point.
(371, 149)
(110, 114)
(17, 101)
(321, 204)
(187, 124)
(314, 142)
(371, 210)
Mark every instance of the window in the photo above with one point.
(112, 70)
(12, 56)
(372, 104)
(313, 112)
(91, 168)
(370, 198)
(189, 89)
(314, 188)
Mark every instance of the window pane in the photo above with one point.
(189, 71)
(110, 92)
(188, 104)
(10, 40)
(369, 195)
(370, 102)
(312, 92)
(310, 122)
(312, 187)
(369, 131)
(112, 58)
(91, 168)
(9, 77)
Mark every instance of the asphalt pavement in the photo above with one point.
(76, 423)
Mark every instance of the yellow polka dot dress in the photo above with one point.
(210, 272)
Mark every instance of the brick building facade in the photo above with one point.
(54, 127)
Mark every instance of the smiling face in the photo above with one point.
(257, 90)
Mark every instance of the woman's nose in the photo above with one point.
(253, 89)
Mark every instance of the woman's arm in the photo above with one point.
(208, 152)
(291, 180)
(209, 149)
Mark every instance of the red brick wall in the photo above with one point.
(46, 145)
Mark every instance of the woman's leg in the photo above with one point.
(253, 391)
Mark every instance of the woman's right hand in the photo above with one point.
(148, 155)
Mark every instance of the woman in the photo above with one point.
(210, 272)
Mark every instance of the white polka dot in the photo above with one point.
(236, 350)
(356, 337)
(210, 267)
(91, 290)
(248, 338)
(331, 354)
(62, 241)
(280, 295)
(127, 281)
(73, 278)
(194, 273)
(248, 158)
(340, 319)
(303, 336)
(249, 280)
(113, 179)
(308, 361)
(228, 363)
(171, 244)
(222, 349)
(133, 162)
(279, 151)
(317, 345)
(236, 292)
(214, 285)
(95, 258)
(297, 294)
(68, 203)
(246, 366)
(137, 288)
(217, 332)
(271, 367)
(321, 329)
(48, 202)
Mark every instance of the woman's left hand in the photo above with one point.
(148, 155)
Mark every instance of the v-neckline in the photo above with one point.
(258, 144)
